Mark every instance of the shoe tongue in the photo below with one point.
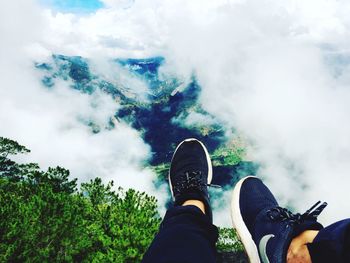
(189, 167)
(271, 218)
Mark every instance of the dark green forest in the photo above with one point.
(46, 217)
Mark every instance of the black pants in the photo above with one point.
(187, 235)
(332, 244)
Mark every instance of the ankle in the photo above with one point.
(298, 251)
(196, 203)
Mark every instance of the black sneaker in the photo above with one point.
(190, 173)
(265, 229)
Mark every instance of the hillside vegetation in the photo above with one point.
(44, 217)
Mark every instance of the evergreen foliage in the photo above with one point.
(228, 240)
(44, 217)
(231, 155)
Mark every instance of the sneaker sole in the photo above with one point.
(240, 226)
(210, 168)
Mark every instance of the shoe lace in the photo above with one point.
(282, 214)
(192, 180)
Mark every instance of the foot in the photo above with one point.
(190, 173)
(265, 228)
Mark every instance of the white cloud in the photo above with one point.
(262, 68)
(52, 122)
(111, 71)
(123, 4)
(261, 65)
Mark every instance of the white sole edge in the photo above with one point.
(210, 167)
(239, 225)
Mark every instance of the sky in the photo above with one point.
(75, 6)
(278, 72)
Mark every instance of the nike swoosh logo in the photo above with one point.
(262, 248)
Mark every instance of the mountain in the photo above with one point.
(165, 114)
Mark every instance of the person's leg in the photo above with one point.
(332, 244)
(187, 233)
(298, 250)
(266, 229)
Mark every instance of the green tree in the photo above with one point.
(228, 240)
(128, 220)
(9, 168)
(43, 216)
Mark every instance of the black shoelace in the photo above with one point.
(192, 180)
(283, 214)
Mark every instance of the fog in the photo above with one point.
(276, 71)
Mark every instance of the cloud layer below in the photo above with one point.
(277, 71)
(52, 122)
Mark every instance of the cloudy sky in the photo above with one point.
(277, 71)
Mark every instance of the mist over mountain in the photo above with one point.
(165, 113)
(265, 84)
